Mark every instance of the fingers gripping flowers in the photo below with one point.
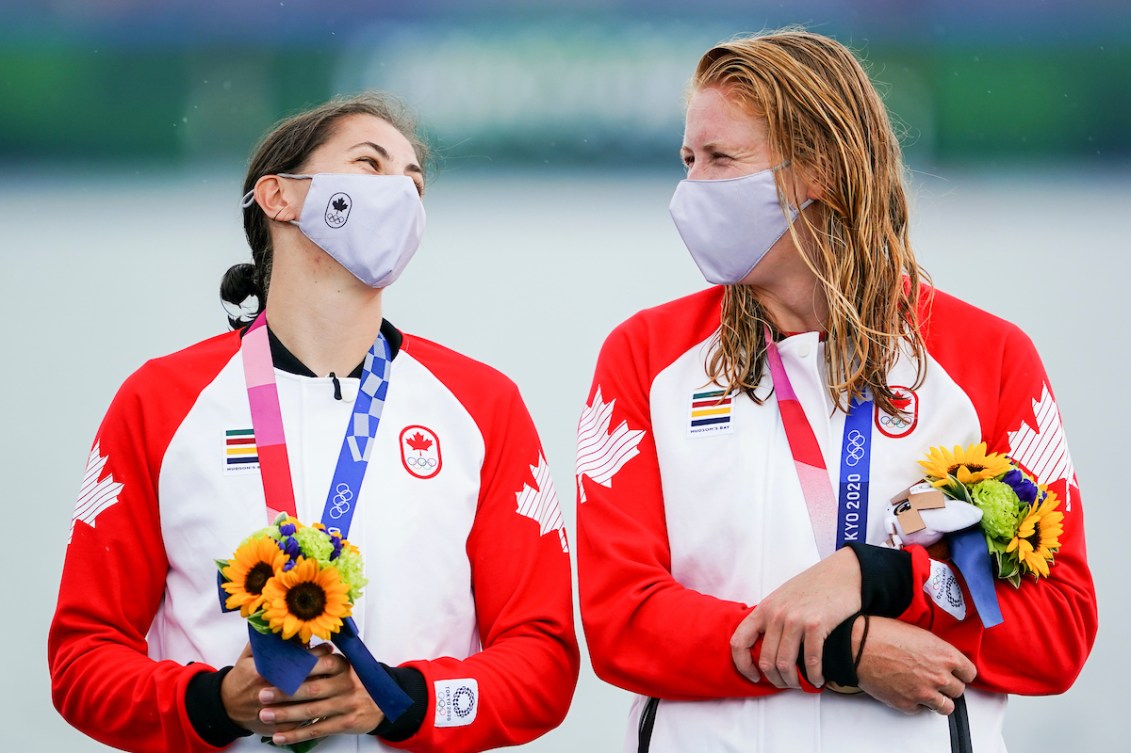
(294, 580)
(1019, 517)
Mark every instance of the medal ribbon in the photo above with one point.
(855, 472)
(833, 524)
(357, 444)
(267, 422)
(286, 664)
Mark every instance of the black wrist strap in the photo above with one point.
(836, 659)
(886, 581)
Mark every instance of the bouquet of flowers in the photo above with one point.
(1020, 519)
(293, 580)
(293, 583)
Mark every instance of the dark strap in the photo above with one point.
(960, 728)
(647, 721)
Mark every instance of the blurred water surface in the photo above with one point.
(528, 272)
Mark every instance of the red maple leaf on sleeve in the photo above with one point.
(418, 442)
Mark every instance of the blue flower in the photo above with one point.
(1025, 489)
(287, 529)
(290, 547)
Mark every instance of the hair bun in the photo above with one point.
(240, 295)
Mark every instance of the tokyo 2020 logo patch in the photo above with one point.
(904, 422)
(420, 451)
(457, 702)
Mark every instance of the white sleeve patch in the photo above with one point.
(1042, 449)
(542, 506)
(943, 588)
(601, 452)
(94, 496)
(457, 702)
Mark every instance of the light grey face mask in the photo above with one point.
(729, 225)
(370, 224)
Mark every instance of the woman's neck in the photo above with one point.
(324, 315)
(786, 286)
(794, 308)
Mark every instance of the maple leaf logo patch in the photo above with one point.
(906, 402)
(600, 452)
(540, 504)
(420, 451)
(338, 210)
(96, 495)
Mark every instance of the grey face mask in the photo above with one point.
(729, 225)
(370, 224)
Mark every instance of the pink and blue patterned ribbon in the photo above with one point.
(286, 664)
(807, 456)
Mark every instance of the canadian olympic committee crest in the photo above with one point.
(904, 422)
(420, 451)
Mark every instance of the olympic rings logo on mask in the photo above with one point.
(854, 448)
(421, 463)
(341, 499)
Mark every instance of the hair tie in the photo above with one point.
(245, 312)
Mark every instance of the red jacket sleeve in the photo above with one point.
(646, 632)
(520, 685)
(102, 680)
(1049, 625)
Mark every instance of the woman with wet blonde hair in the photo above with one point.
(744, 566)
(829, 121)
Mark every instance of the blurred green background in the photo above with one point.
(584, 83)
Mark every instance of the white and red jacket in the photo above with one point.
(683, 526)
(457, 522)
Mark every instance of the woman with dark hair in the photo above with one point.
(740, 557)
(439, 480)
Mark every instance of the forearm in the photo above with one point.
(1061, 609)
(508, 694)
(124, 699)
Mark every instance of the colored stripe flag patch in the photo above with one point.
(240, 450)
(711, 411)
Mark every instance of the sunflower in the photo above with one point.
(254, 563)
(1038, 536)
(969, 465)
(306, 600)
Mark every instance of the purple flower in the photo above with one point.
(291, 547)
(1025, 489)
(288, 565)
(287, 529)
(337, 551)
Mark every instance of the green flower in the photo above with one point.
(271, 531)
(314, 543)
(351, 569)
(1000, 508)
